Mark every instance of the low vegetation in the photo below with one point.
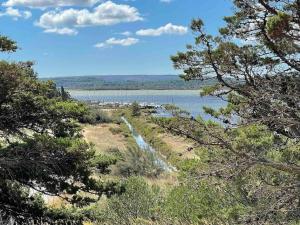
(95, 116)
(136, 162)
(244, 169)
(151, 133)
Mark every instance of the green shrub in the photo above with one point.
(137, 162)
(199, 202)
(95, 116)
(138, 202)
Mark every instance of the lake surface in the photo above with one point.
(189, 100)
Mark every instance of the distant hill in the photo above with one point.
(129, 82)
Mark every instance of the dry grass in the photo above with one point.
(179, 145)
(55, 202)
(103, 139)
(110, 112)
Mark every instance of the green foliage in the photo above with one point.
(196, 204)
(209, 90)
(103, 163)
(176, 111)
(95, 116)
(64, 95)
(255, 60)
(42, 150)
(253, 138)
(138, 202)
(278, 24)
(136, 162)
(211, 111)
(7, 45)
(150, 134)
(135, 109)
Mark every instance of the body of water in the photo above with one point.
(189, 100)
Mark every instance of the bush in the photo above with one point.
(95, 116)
(137, 203)
(115, 152)
(138, 163)
(198, 202)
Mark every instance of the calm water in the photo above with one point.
(189, 100)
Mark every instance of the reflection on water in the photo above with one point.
(143, 145)
(189, 100)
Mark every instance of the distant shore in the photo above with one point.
(101, 83)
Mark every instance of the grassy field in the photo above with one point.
(103, 138)
(173, 148)
(178, 144)
(116, 135)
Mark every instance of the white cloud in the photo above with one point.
(167, 29)
(166, 1)
(114, 41)
(49, 3)
(62, 31)
(15, 13)
(126, 33)
(105, 14)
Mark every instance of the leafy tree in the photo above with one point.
(41, 148)
(256, 62)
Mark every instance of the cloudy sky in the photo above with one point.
(95, 37)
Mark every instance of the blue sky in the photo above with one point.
(98, 37)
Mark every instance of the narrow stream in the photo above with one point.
(143, 145)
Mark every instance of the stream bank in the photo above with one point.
(143, 145)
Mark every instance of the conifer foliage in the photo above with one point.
(255, 59)
(42, 153)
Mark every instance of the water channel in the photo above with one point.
(143, 145)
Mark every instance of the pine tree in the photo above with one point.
(41, 149)
(255, 60)
(135, 109)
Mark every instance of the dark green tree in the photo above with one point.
(256, 148)
(135, 109)
(41, 150)
(64, 95)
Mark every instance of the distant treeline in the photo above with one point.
(130, 82)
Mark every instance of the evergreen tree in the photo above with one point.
(64, 95)
(41, 150)
(256, 149)
(135, 109)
